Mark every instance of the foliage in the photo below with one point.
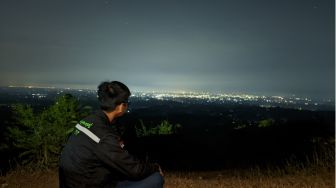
(39, 137)
(239, 124)
(164, 128)
(266, 123)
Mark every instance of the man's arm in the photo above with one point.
(110, 152)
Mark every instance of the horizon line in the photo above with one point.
(169, 91)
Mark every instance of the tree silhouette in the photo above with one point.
(39, 137)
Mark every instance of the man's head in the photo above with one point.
(113, 96)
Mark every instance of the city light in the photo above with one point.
(183, 97)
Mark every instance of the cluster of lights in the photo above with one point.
(202, 97)
(221, 97)
(39, 95)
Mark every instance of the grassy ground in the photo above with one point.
(249, 178)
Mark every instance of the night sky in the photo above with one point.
(270, 47)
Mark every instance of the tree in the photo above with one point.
(39, 137)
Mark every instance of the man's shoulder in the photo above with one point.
(93, 119)
(88, 121)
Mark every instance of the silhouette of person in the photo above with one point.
(94, 156)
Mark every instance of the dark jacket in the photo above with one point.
(88, 163)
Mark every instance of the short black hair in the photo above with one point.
(111, 94)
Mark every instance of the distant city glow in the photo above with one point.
(188, 97)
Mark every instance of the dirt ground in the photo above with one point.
(226, 179)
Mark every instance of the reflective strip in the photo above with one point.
(88, 133)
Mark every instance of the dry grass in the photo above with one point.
(29, 179)
(252, 178)
(227, 179)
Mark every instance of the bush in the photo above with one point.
(266, 123)
(39, 137)
(164, 128)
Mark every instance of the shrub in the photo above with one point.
(39, 137)
(266, 123)
(164, 128)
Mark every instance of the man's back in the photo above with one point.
(85, 162)
(79, 162)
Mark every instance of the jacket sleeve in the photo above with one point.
(110, 153)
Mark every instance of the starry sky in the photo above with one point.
(269, 47)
